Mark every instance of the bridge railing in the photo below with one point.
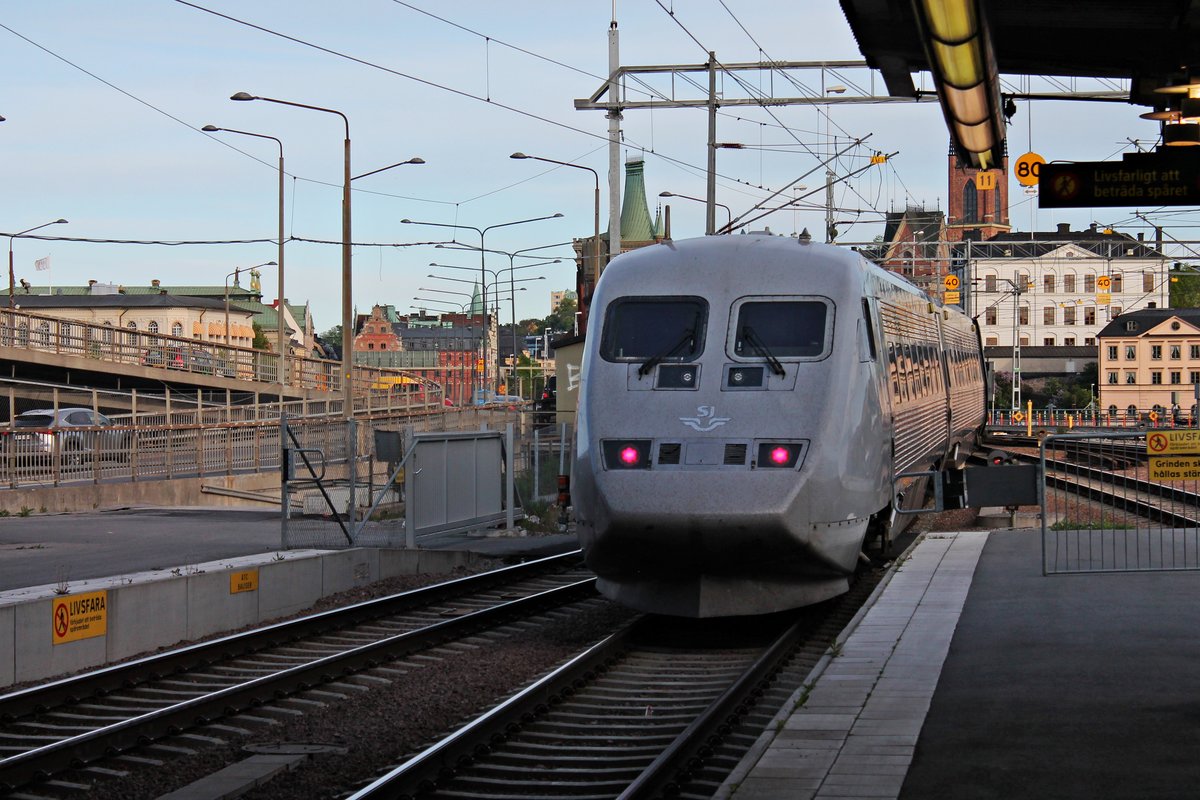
(38, 332)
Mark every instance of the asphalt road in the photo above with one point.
(39, 550)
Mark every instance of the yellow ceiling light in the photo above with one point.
(964, 70)
(1181, 134)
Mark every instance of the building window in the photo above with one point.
(1069, 341)
(23, 334)
(989, 316)
(1194, 351)
(1023, 316)
(1023, 280)
(1068, 283)
(131, 336)
(1176, 376)
(1130, 352)
(1114, 311)
(1024, 340)
(1112, 377)
(1048, 315)
(993, 341)
(1132, 410)
(1069, 315)
(1048, 282)
(1194, 377)
(43, 334)
(1112, 352)
(1089, 283)
(1156, 352)
(1089, 315)
(970, 202)
(989, 283)
(1130, 377)
(1156, 378)
(177, 329)
(383, 346)
(1116, 283)
(1048, 341)
(370, 345)
(1089, 341)
(1176, 351)
(1147, 281)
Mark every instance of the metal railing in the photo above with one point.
(24, 330)
(1108, 505)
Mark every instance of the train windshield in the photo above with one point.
(654, 328)
(781, 329)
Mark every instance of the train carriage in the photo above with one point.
(746, 403)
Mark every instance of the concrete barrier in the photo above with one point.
(151, 610)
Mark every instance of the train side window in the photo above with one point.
(786, 328)
(866, 307)
(894, 370)
(663, 328)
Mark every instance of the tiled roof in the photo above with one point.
(155, 300)
(1147, 318)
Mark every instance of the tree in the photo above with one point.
(1185, 286)
(260, 338)
(563, 317)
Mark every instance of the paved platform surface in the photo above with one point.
(48, 549)
(973, 676)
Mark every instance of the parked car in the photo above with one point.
(192, 359)
(77, 434)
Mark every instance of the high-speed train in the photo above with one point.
(746, 406)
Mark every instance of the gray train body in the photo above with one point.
(746, 403)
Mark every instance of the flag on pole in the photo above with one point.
(42, 264)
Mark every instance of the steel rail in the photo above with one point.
(107, 740)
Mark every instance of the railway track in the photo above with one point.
(107, 715)
(1159, 502)
(663, 707)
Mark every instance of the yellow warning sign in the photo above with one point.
(1180, 468)
(951, 282)
(1103, 283)
(951, 298)
(1170, 443)
(78, 616)
(1028, 168)
(985, 181)
(1103, 299)
(244, 581)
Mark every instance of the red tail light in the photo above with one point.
(778, 455)
(626, 454)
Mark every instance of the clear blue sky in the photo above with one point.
(118, 152)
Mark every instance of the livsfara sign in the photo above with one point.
(1163, 179)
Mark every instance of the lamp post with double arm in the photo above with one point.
(483, 265)
(347, 269)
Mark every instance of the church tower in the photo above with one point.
(978, 200)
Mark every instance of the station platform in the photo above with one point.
(159, 576)
(970, 675)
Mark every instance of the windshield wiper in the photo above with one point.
(758, 344)
(649, 364)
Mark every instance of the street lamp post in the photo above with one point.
(579, 283)
(347, 269)
(282, 338)
(235, 275)
(482, 266)
(728, 213)
(11, 272)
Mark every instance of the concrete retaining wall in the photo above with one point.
(170, 492)
(151, 610)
